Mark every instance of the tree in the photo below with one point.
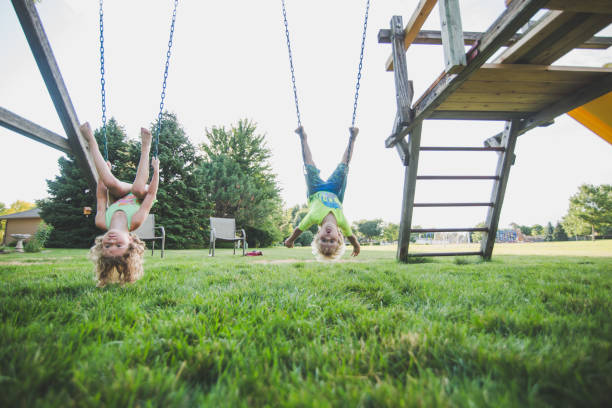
(183, 205)
(559, 233)
(370, 229)
(575, 226)
(391, 232)
(537, 229)
(238, 178)
(548, 232)
(477, 236)
(593, 205)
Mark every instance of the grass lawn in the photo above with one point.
(281, 330)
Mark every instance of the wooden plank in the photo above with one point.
(29, 129)
(453, 204)
(581, 28)
(504, 162)
(518, 87)
(422, 254)
(410, 174)
(553, 36)
(537, 73)
(582, 6)
(403, 88)
(586, 94)
(413, 26)
(516, 15)
(41, 49)
(452, 35)
(527, 108)
(500, 97)
(475, 115)
(433, 37)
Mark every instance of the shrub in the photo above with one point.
(39, 239)
(305, 239)
(32, 246)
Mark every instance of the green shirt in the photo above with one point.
(320, 204)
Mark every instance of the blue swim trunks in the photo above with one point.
(336, 183)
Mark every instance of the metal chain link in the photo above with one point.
(358, 84)
(163, 93)
(102, 81)
(295, 96)
(363, 37)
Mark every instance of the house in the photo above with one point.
(25, 222)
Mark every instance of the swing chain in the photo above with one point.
(363, 38)
(295, 96)
(163, 93)
(102, 81)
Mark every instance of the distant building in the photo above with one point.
(25, 222)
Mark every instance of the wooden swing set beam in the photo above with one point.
(29, 129)
(41, 49)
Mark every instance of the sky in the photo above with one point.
(229, 62)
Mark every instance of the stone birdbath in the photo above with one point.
(20, 238)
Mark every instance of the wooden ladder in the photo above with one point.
(503, 144)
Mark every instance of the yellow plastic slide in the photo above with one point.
(597, 116)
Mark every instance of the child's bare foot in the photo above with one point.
(87, 133)
(146, 137)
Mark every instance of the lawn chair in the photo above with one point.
(225, 229)
(146, 232)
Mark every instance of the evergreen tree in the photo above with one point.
(69, 193)
(548, 232)
(238, 179)
(559, 233)
(182, 207)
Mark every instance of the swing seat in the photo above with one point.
(147, 232)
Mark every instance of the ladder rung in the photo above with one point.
(457, 177)
(453, 204)
(476, 229)
(460, 149)
(444, 254)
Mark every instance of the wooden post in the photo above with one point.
(403, 87)
(39, 44)
(410, 174)
(504, 162)
(452, 35)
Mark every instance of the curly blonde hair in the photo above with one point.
(335, 256)
(126, 268)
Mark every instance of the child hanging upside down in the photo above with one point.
(325, 205)
(119, 249)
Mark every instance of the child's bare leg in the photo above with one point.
(346, 159)
(140, 188)
(306, 153)
(115, 186)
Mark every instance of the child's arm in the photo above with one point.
(355, 244)
(149, 199)
(101, 197)
(289, 241)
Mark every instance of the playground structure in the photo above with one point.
(519, 87)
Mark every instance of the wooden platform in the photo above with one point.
(508, 91)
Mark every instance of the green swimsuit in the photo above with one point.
(128, 204)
